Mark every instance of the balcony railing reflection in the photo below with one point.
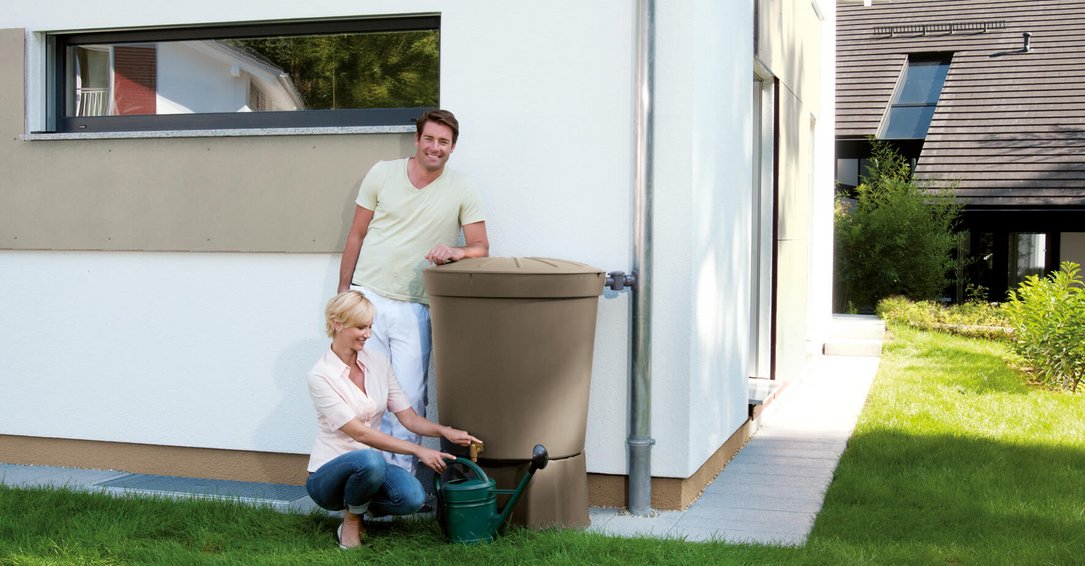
(91, 101)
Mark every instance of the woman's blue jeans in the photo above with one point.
(360, 481)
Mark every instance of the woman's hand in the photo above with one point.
(433, 459)
(457, 436)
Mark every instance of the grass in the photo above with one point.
(50, 526)
(955, 460)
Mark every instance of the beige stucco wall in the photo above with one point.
(252, 193)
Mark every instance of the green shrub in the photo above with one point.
(976, 319)
(1048, 317)
(897, 238)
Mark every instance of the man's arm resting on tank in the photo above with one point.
(477, 244)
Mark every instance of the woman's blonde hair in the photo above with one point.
(350, 308)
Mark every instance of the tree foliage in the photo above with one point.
(370, 70)
(896, 237)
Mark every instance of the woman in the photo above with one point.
(351, 388)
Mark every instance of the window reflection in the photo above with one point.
(909, 122)
(274, 74)
(916, 98)
(1027, 254)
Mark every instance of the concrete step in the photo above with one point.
(853, 347)
(857, 326)
(855, 335)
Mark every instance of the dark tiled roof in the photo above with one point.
(1010, 125)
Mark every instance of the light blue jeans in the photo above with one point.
(361, 481)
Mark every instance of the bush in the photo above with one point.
(976, 319)
(897, 238)
(1048, 317)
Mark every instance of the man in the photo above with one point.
(409, 215)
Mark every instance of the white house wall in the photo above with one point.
(182, 349)
(702, 233)
(191, 81)
(210, 349)
(544, 94)
(820, 260)
(672, 240)
(545, 103)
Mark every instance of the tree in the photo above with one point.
(896, 237)
(360, 70)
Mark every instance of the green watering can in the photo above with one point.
(467, 507)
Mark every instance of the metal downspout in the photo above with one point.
(640, 399)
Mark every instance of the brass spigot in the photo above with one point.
(473, 449)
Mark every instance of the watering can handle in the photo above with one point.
(463, 462)
(539, 459)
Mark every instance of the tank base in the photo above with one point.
(557, 496)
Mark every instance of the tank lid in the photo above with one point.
(514, 277)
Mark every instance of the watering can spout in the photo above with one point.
(539, 459)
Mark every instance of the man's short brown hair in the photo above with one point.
(443, 117)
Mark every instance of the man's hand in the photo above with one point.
(442, 254)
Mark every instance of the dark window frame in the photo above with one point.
(56, 86)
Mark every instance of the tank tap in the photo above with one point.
(473, 449)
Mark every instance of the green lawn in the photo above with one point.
(955, 460)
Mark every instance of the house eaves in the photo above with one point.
(276, 81)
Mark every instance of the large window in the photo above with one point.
(916, 97)
(378, 71)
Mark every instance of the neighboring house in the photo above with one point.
(178, 77)
(985, 93)
(162, 275)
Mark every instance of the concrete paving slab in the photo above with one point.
(786, 490)
(775, 473)
(747, 519)
(599, 516)
(796, 448)
(42, 476)
(768, 502)
(658, 525)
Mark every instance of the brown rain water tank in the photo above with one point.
(513, 340)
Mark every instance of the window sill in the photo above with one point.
(225, 133)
